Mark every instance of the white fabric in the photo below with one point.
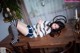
(41, 29)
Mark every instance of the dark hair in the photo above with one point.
(57, 31)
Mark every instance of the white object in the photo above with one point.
(2, 50)
(76, 13)
(8, 9)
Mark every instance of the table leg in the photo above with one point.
(44, 50)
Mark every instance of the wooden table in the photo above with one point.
(47, 41)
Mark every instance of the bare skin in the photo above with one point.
(22, 27)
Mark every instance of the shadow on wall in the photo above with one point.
(3, 28)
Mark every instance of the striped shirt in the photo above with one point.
(37, 29)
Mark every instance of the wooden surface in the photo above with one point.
(47, 41)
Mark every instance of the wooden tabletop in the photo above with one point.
(65, 37)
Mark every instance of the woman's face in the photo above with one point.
(55, 26)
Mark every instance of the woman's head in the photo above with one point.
(56, 27)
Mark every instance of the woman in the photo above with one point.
(41, 29)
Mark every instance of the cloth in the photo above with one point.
(30, 29)
(14, 33)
